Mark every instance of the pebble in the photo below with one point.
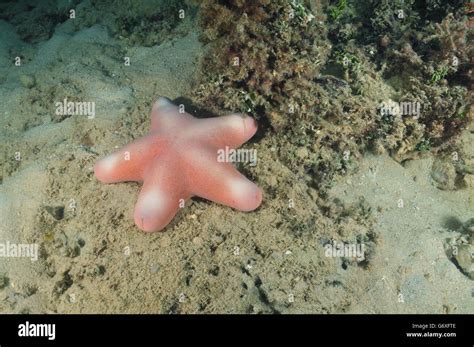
(464, 259)
(444, 174)
(57, 212)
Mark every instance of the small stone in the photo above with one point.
(444, 174)
(28, 81)
(465, 260)
(384, 41)
(57, 212)
(99, 270)
(81, 243)
(30, 289)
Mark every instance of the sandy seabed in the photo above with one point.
(211, 259)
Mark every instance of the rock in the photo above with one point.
(384, 41)
(28, 81)
(464, 258)
(444, 175)
(57, 212)
(99, 270)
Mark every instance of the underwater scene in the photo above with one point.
(236, 156)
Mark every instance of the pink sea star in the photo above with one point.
(178, 160)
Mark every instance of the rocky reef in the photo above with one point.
(325, 77)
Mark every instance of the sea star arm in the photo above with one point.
(232, 130)
(161, 196)
(127, 163)
(222, 183)
(166, 115)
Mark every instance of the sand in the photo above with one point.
(210, 259)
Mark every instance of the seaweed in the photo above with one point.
(318, 74)
(270, 50)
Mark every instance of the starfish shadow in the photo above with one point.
(192, 109)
